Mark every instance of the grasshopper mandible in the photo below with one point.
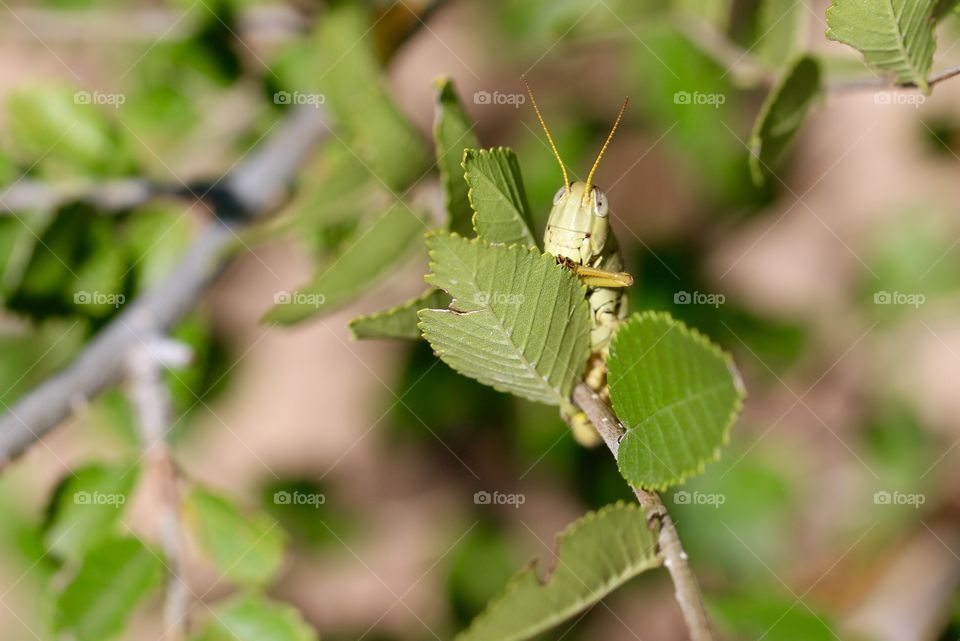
(578, 234)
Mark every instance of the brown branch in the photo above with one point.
(150, 397)
(686, 588)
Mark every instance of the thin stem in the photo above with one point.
(152, 404)
(881, 83)
(686, 588)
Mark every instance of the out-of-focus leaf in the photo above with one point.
(595, 555)
(676, 393)
(453, 135)
(246, 546)
(370, 254)
(497, 196)
(113, 578)
(763, 615)
(400, 321)
(894, 36)
(518, 321)
(780, 30)
(77, 267)
(352, 85)
(86, 505)
(31, 354)
(156, 238)
(254, 617)
(65, 132)
(693, 103)
(782, 115)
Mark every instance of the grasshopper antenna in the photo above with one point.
(543, 123)
(596, 163)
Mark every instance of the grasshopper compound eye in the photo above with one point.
(601, 208)
(559, 194)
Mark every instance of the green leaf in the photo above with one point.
(253, 617)
(372, 252)
(58, 129)
(763, 615)
(497, 196)
(595, 555)
(453, 135)
(782, 115)
(401, 321)
(895, 36)
(676, 393)
(85, 507)
(352, 84)
(780, 30)
(247, 547)
(518, 322)
(113, 578)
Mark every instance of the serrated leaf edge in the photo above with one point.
(533, 565)
(488, 151)
(408, 304)
(738, 385)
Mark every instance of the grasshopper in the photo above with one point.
(578, 234)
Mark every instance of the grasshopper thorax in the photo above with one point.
(578, 226)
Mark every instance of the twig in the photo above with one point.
(107, 197)
(686, 588)
(882, 83)
(151, 400)
(255, 187)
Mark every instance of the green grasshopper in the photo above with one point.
(578, 234)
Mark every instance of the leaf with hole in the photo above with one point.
(594, 556)
(518, 321)
(677, 395)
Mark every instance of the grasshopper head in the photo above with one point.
(578, 225)
(577, 228)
